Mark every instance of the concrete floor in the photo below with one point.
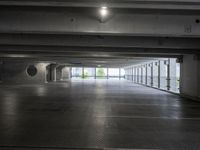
(96, 114)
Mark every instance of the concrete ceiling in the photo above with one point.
(73, 32)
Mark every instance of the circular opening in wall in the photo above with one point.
(32, 70)
(197, 21)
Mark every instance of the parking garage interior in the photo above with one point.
(102, 75)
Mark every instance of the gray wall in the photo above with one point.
(62, 73)
(16, 72)
(190, 77)
(66, 73)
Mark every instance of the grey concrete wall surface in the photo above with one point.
(66, 73)
(16, 72)
(62, 73)
(190, 77)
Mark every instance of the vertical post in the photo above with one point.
(95, 75)
(152, 74)
(83, 73)
(146, 74)
(132, 75)
(142, 74)
(168, 75)
(70, 72)
(135, 75)
(159, 74)
(138, 75)
(55, 74)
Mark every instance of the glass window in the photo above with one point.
(89, 73)
(163, 74)
(101, 73)
(122, 73)
(113, 72)
(149, 74)
(155, 74)
(144, 74)
(77, 72)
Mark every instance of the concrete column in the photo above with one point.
(168, 75)
(146, 73)
(1, 64)
(59, 73)
(53, 72)
(70, 72)
(151, 74)
(141, 74)
(132, 74)
(159, 74)
(172, 74)
(83, 76)
(95, 74)
(190, 77)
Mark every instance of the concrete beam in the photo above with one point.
(136, 4)
(98, 41)
(86, 21)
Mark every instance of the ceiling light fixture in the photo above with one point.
(104, 11)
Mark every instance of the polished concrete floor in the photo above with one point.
(96, 114)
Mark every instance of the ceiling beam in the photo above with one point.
(87, 21)
(134, 4)
(99, 41)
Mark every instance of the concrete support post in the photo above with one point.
(172, 76)
(152, 74)
(135, 75)
(54, 71)
(141, 75)
(132, 74)
(159, 74)
(83, 76)
(95, 74)
(168, 74)
(70, 72)
(146, 74)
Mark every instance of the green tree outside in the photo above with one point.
(100, 73)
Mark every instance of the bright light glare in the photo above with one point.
(104, 11)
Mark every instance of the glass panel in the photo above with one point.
(113, 73)
(101, 73)
(140, 74)
(122, 73)
(155, 74)
(172, 76)
(136, 74)
(149, 74)
(89, 73)
(163, 74)
(144, 75)
(77, 72)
